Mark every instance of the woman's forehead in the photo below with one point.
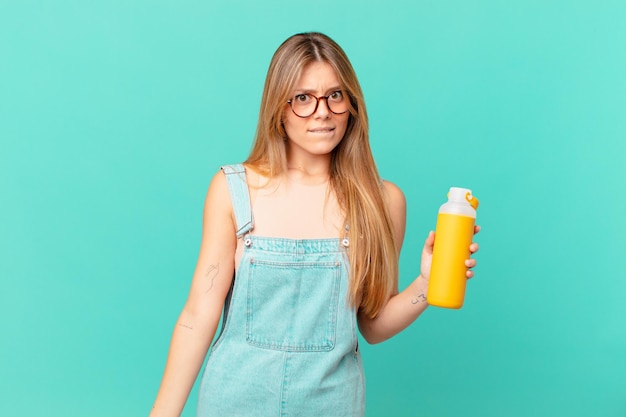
(318, 75)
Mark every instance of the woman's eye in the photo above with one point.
(302, 98)
(336, 95)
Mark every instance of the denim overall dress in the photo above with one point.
(288, 344)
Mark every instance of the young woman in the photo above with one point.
(300, 247)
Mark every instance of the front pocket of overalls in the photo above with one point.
(292, 306)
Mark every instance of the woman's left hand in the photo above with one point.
(471, 263)
(427, 256)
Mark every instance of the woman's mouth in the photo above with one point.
(322, 130)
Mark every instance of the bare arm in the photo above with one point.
(405, 307)
(198, 321)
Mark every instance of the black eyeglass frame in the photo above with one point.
(317, 103)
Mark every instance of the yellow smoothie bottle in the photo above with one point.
(453, 236)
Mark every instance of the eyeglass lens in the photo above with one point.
(304, 105)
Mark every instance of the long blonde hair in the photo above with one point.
(373, 255)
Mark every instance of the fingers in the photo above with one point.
(470, 263)
(430, 242)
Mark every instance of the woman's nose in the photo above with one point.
(322, 108)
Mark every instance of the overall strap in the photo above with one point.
(240, 197)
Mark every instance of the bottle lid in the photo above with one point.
(463, 194)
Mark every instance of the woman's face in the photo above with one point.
(319, 133)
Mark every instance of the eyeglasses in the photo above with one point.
(304, 105)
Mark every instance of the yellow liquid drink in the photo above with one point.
(453, 237)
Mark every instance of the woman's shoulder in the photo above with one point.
(243, 171)
(393, 194)
(396, 204)
(218, 193)
(219, 190)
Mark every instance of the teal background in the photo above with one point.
(115, 115)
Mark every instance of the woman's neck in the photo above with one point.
(309, 170)
(305, 176)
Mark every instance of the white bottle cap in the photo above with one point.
(459, 194)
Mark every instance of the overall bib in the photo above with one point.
(288, 344)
